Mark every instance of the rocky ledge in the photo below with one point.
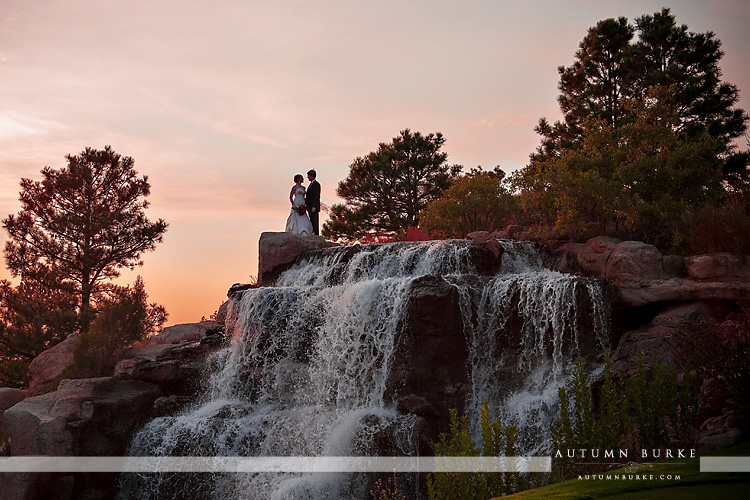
(642, 275)
(98, 416)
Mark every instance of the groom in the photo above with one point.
(312, 200)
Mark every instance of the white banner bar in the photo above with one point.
(274, 464)
(725, 464)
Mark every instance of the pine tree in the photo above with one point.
(386, 190)
(82, 223)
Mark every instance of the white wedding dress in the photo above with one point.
(296, 223)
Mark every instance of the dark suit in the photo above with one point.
(312, 200)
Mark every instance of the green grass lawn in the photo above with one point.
(692, 484)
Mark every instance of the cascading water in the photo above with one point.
(307, 371)
(525, 339)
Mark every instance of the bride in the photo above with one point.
(298, 221)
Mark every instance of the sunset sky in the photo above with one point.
(221, 103)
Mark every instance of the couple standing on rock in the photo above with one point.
(304, 203)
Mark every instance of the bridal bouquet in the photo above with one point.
(302, 209)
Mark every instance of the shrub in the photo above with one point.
(127, 319)
(723, 228)
(719, 352)
(663, 411)
(388, 490)
(496, 440)
(478, 201)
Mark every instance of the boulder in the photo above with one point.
(174, 368)
(8, 398)
(277, 251)
(488, 241)
(683, 290)
(631, 263)
(428, 374)
(656, 340)
(186, 332)
(85, 417)
(46, 369)
(593, 257)
(221, 314)
(718, 266)
(589, 259)
(719, 432)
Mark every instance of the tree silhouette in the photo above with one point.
(667, 65)
(81, 224)
(386, 190)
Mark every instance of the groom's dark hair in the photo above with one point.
(313, 173)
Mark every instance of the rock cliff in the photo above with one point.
(651, 295)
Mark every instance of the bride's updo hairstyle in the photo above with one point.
(298, 178)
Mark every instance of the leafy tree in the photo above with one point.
(121, 322)
(667, 65)
(477, 201)
(33, 318)
(636, 181)
(85, 221)
(386, 190)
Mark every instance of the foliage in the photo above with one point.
(636, 181)
(387, 491)
(719, 352)
(477, 201)
(611, 70)
(496, 440)
(85, 221)
(386, 190)
(33, 318)
(647, 400)
(121, 322)
(662, 412)
(723, 227)
(646, 141)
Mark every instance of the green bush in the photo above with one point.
(648, 412)
(496, 441)
(127, 319)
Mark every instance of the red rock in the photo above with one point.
(603, 244)
(85, 417)
(594, 255)
(682, 290)
(717, 266)
(8, 398)
(45, 370)
(655, 340)
(277, 251)
(185, 332)
(175, 368)
(632, 263)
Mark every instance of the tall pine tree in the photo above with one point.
(386, 190)
(667, 64)
(81, 224)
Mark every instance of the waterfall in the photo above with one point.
(307, 368)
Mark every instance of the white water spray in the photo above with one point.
(310, 358)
